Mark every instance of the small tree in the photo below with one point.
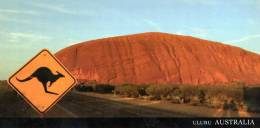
(202, 96)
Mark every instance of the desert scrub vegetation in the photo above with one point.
(94, 87)
(128, 90)
(103, 88)
(158, 92)
(221, 95)
(226, 96)
(82, 87)
(218, 95)
(177, 93)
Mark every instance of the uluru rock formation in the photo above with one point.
(160, 58)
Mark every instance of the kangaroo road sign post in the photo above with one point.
(42, 81)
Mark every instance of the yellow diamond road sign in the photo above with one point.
(43, 81)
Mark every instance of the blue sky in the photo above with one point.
(27, 26)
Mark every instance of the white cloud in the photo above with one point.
(71, 41)
(64, 10)
(57, 8)
(154, 25)
(257, 3)
(245, 38)
(70, 44)
(22, 37)
(198, 2)
(19, 36)
(180, 33)
(19, 12)
(200, 32)
(2, 17)
(13, 19)
(196, 32)
(13, 15)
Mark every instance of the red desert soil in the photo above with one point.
(160, 58)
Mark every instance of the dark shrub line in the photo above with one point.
(221, 95)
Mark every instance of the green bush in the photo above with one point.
(211, 95)
(142, 90)
(103, 88)
(84, 88)
(127, 90)
(158, 92)
(188, 92)
(202, 96)
(222, 95)
(226, 91)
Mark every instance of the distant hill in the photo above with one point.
(160, 58)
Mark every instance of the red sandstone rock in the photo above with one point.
(160, 58)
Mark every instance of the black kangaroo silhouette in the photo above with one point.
(44, 75)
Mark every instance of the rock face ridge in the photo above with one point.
(160, 58)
